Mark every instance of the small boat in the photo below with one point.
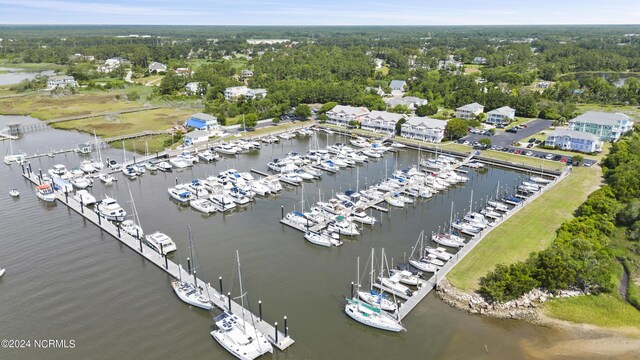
(85, 197)
(449, 240)
(180, 193)
(359, 215)
(110, 209)
(203, 205)
(45, 192)
(14, 192)
(160, 242)
(539, 180)
(497, 205)
(317, 239)
(238, 196)
(164, 166)
(107, 178)
(208, 155)
(290, 178)
(2, 271)
(511, 200)
(405, 277)
(424, 266)
(113, 165)
(60, 171)
(343, 226)
(191, 294)
(131, 228)
(80, 182)
(226, 149)
(222, 202)
(87, 167)
(398, 145)
(394, 201)
(130, 172)
(440, 253)
(394, 285)
(179, 163)
(150, 166)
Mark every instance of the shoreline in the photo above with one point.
(579, 340)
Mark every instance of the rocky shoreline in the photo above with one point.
(524, 308)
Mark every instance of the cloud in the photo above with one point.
(103, 8)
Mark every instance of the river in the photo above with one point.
(14, 76)
(67, 280)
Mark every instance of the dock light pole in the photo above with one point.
(99, 219)
(276, 326)
(22, 165)
(260, 308)
(157, 154)
(176, 180)
(195, 280)
(66, 196)
(220, 282)
(229, 300)
(137, 233)
(286, 328)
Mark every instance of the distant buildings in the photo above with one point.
(381, 121)
(196, 136)
(449, 63)
(398, 86)
(501, 116)
(157, 67)
(342, 115)
(245, 74)
(60, 81)
(606, 126)
(424, 129)
(267, 41)
(111, 64)
(79, 56)
(183, 72)
(233, 93)
(566, 139)
(469, 111)
(479, 60)
(411, 102)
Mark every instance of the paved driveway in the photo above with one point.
(507, 138)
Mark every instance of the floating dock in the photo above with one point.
(219, 300)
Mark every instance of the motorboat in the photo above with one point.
(87, 167)
(222, 202)
(259, 188)
(476, 219)
(343, 227)
(110, 209)
(180, 193)
(304, 175)
(317, 239)
(150, 166)
(208, 155)
(197, 188)
(2, 271)
(160, 242)
(394, 201)
(226, 149)
(329, 166)
(299, 219)
(203, 205)
(189, 157)
(164, 166)
(80, 182)
(511, 200)
(97, 164)
(191, 294)
(14, 192)
(45, 192)
(359, 142)
(273, 184)
(130, 172)
(238, 196)
(59, 171)
(287, 135)
(405, 277)
(179, 163)
(131, 228)
(113, 165)
(84, 197)
(290, 178)
(359, 215)
(107, 178)
(440, 253)
(398, 145)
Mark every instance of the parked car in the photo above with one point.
(529, 153)
(538, 142)
(549, 156)
(563, 160)
(512, 130)
(529, 146)
(557, 157)
(518, 152)
(532, 140)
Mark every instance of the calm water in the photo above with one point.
(68, 280)
(11, 78)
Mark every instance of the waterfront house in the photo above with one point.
(196, 136)
(202, 121)
(233, 93)
(566, 139)
(157, 67)
(423, 128)
(501, 116)
(60, 81)
(469, 111)
(381, 122)
(193, 88)
(398, 85)
(411, 102)
(342, 114)
(606, 126)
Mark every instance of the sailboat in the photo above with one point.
(192, 293)
(374, 298)
(448, 239)
(236, 334)
(370, 315)
(17, 158)
(417, 261)
(97, 163)
(133, 227)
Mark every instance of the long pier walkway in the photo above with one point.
(277, 338)
(433, 281)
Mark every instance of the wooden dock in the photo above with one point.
(221, 301)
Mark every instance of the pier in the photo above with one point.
(277, 338)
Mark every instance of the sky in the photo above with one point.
(327, 12)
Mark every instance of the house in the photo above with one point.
(606, 126)
(398, 85)
(233, 93)
(379, 63)
(202, 121)
(267, 41)
(479, 60)
(373, 90)
(469, 111)
(60, 81)
(342, 114)
(411, 102)
(111, 64)
(566, 139)
(193, 88)
(423, 128)
(381, 121)
(450, 63)
(501, 116)
(246, 74)
(183, 72)
(196, 136)
(157, 67)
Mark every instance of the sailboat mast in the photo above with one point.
(371, 272)
(241, 291)
(471, 202)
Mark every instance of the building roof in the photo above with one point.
(350, 110)
(385, 116)
(157, 66)
(600, 118)
(573, 134)
(426, 121)
(407, 100)
(397, 84)
(198, 133)
(471, 107)
(61, 77)
(505, 110)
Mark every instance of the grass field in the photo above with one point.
(158, 119)
(531, 229)
(472, 68)
(155, 143)
(602, 310)
(149, 80)
(633, 111)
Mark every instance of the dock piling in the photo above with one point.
(81, 205)
(40, 177)
(220, 282)
(351, 290)
(120, 235)
(189, 266)
(229, 298)
(66, 197)
(276, 326)
(281, 212)
(260, 308)
(286, 328)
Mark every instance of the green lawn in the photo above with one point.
(155, 143)
(531, 229)
(601, 310)
(158, 119)
(633, 111)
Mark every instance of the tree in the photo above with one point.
(577, 159)
(251, 120)
(399, 126)
(323, 118)
(456, 128)
(629, 214)
(485, 142)
(400, 109)
(328, 106)
(426, 110)
(133, 95)
(303, 111)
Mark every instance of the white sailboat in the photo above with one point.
(237, 335)
(417, 261)
(372, 297)
(17, 158)
(97, 163)
(190, 292)
(133, 227)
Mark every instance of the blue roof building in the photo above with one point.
(202, 121)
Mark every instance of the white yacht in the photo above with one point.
(226, 149)
(80, 182)
(394, 201)
(150, 166)
(60, 171)
(373, 298)
(222, 202)
(160, 242)
(45, 192)
(449, 240)
(14, 192)
(208, 155)
(164, 166)
(440, 253)
(317, 239)
(180, 193)
(203, 205)
(87, 166)
(290, 178)
(498, 205)
(107, 178)
(110, 209)
(371, 316)
(191, 294)
(259, 188)
(394, 285)
(359, 215)
(179, 163)
(343, 227)
(131, 228)
(130, 172)
(238, 196)
(85, 196)
(405, 277)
